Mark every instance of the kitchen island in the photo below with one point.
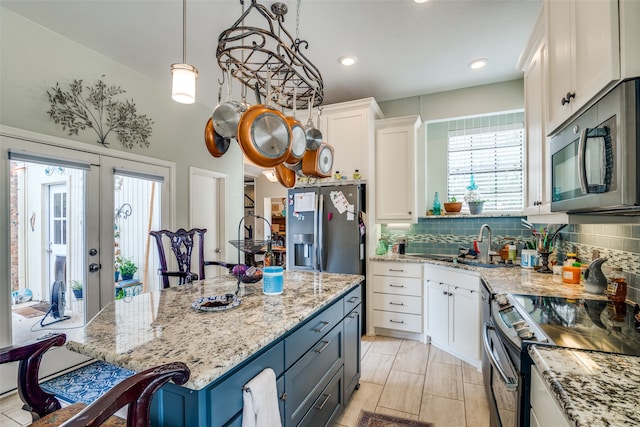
(225, 349)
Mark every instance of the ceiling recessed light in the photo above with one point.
(347, 60)
(420, 1)
(478, 63)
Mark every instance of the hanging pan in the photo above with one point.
(313, 134)
(216, 143)
(264, 135)
(226, 115)
(298, 136)
(319, 162)
(286, 177)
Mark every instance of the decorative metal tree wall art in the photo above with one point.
(81, 107)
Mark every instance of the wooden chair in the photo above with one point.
(182, 244)
(136, 391)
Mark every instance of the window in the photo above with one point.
(494, 154)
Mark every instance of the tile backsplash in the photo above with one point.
(443, 235)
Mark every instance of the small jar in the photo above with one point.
(338, 175)
(356, 174)
(617, 285)
(571, 259)
(512, 253)
(571, 274)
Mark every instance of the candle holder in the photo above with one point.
(544, 261)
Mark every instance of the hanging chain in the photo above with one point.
(298, 19)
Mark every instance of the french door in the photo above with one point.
(61, 214)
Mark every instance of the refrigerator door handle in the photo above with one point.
(320, 246)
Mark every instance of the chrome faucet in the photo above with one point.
(484, 255)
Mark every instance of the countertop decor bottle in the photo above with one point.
(268, 255)
(382, 247)
(436, 204)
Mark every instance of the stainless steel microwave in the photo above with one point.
(595, 158)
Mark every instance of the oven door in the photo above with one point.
(501, 379)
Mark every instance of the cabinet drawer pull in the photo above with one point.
(353, 300)
(449, 293)
(323, 327)
(396, 270)
(324, 402)
(444, 292)
(396, 286)
(396, 321)
(353, 315)
(324, 345)
(283, 397)
(396, 303)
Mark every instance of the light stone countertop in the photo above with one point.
(159, 327)
(594, 389)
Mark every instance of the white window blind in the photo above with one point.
(495, 157)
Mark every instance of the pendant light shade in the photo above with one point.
(183, 88)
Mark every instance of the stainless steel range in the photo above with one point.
(516, 321)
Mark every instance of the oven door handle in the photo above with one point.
(511, 383)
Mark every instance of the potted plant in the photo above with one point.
(127, 269)
(473, 198)
(116, 268)
(76, 288)
(453, 205)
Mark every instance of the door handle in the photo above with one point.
(93, 267)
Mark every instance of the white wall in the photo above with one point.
(33, 59)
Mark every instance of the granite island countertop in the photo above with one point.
(159, 327)
(594, 389)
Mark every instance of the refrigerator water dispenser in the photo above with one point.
(303, 249)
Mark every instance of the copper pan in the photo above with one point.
(264, 136)
(319, 162)
(216, 144)
(286, 177)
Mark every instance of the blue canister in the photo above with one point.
(272, 281)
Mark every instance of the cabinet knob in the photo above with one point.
(537, 203)
(567, 99)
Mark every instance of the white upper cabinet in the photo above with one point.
(583, 51)
(532, 62)
(395, 170)
(350, 128)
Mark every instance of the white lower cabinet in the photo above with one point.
(545, 410)
(452, 317)
(397, 297)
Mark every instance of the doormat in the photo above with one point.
(87, 383)
(371, 419)
(35, 310)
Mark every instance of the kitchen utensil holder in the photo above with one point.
(544, 262)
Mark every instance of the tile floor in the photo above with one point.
(399, 377)
(417, 381)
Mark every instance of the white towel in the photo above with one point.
(260, 398)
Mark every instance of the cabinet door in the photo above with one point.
(464, 322)
(438, 312)
(559, 53)
(352, 371)
(395, 170)
(536, 140)
(348, 132)
(597, 48)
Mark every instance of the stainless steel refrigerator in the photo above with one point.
(325, 229)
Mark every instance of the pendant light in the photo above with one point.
(183, 87)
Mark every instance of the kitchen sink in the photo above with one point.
(456, 260)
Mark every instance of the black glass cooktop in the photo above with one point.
(585, 323)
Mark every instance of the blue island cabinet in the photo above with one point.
(317, 367)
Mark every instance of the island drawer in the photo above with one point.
(299, 342)
(397, 285)
(397, 321)
(311, 373)
(397, 303)
(352, 299)
(225, 400)
(327, 405)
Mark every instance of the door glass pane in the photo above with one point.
(47, 208)
(137, 211)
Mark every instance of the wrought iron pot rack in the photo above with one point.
(252, 53)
